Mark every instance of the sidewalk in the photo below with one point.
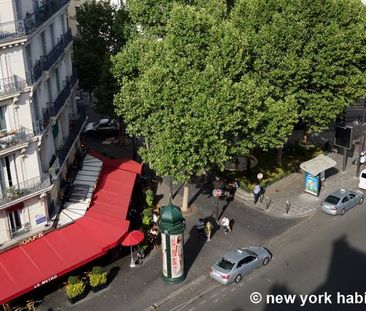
(291, 189)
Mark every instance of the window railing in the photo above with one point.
(25, 188)
(16, 29)
(9, 139)
(47, 61)
(59, 102)
(11, 85)
(11, 30)
(18, 232)
(42, 14)
(76, 126)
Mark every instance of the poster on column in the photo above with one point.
(176, 253)
(164, 254)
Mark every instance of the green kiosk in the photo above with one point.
(172, 226)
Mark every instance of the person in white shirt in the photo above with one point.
(225, 223)
(362, 158)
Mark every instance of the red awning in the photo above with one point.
(104, 225)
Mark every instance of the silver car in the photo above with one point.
(340, 201)
(233, 266)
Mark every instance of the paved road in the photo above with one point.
(323, 254)
(139, 288)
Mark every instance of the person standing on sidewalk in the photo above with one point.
(208, 230)
(225, 223)
(257, 191)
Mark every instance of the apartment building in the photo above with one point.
(74, 7)
(40, 119)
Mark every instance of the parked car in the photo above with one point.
(362, 182)
(234, 265)
(340, 201)
(103, 127)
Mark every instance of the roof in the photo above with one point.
(104, 225)
(318, 164)
(236, 255)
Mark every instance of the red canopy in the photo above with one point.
(58, 252)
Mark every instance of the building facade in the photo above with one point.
(40, 119)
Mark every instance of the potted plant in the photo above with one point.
(97, 278)
(75, 289)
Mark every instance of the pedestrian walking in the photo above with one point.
(257, 193)
(225, 223)
(208, 230)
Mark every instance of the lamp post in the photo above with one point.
(172, 226)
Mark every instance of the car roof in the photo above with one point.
(236, 254)
(341, 193)
(104, 121)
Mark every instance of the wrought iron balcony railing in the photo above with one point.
(56, 106)
(42, 14)
(11, 85)
(24, 188)
(11, 30)
(16, 29)
(62, 153)
(9, 139)
(48, 60)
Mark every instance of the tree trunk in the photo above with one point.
(279, 156)
(248, 166)
(185, 197)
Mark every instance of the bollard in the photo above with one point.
(268, 202)
(288, 205)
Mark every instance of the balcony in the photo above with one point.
(20, 28)
(61, 155)
(24, 188)
(11, 30)
(10, 139)
(11, 85)
(48, 60)
(42, 14)
(56, 106)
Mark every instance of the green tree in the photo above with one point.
(103, 31)
(191, 96)
(312, 51)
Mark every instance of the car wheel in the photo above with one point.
(343, 211)
(265, 261)
(238, 278)
(361, 201)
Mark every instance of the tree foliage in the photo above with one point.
(208, 80)
(103, 29)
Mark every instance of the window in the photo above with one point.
(63, 23)
(15, 220)
(345, 199)
(352, 196)
(2, 119)
(28, 53)
(249, 259)
(57, 80)
(52, 31)
(43, 42)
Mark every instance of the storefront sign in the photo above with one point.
(40, 219)
(31, 238)
(311, 184)
(45, 281)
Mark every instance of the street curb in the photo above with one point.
(176, 293)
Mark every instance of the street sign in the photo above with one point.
(343, 137)
(217, 193)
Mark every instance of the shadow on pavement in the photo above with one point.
(346, 275)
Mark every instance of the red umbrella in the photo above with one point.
(133, 238)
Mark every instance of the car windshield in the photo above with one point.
(225, 264)
(332, 199)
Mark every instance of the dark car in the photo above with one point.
(104, 127)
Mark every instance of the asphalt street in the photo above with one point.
(140, 288)
(320, 263)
